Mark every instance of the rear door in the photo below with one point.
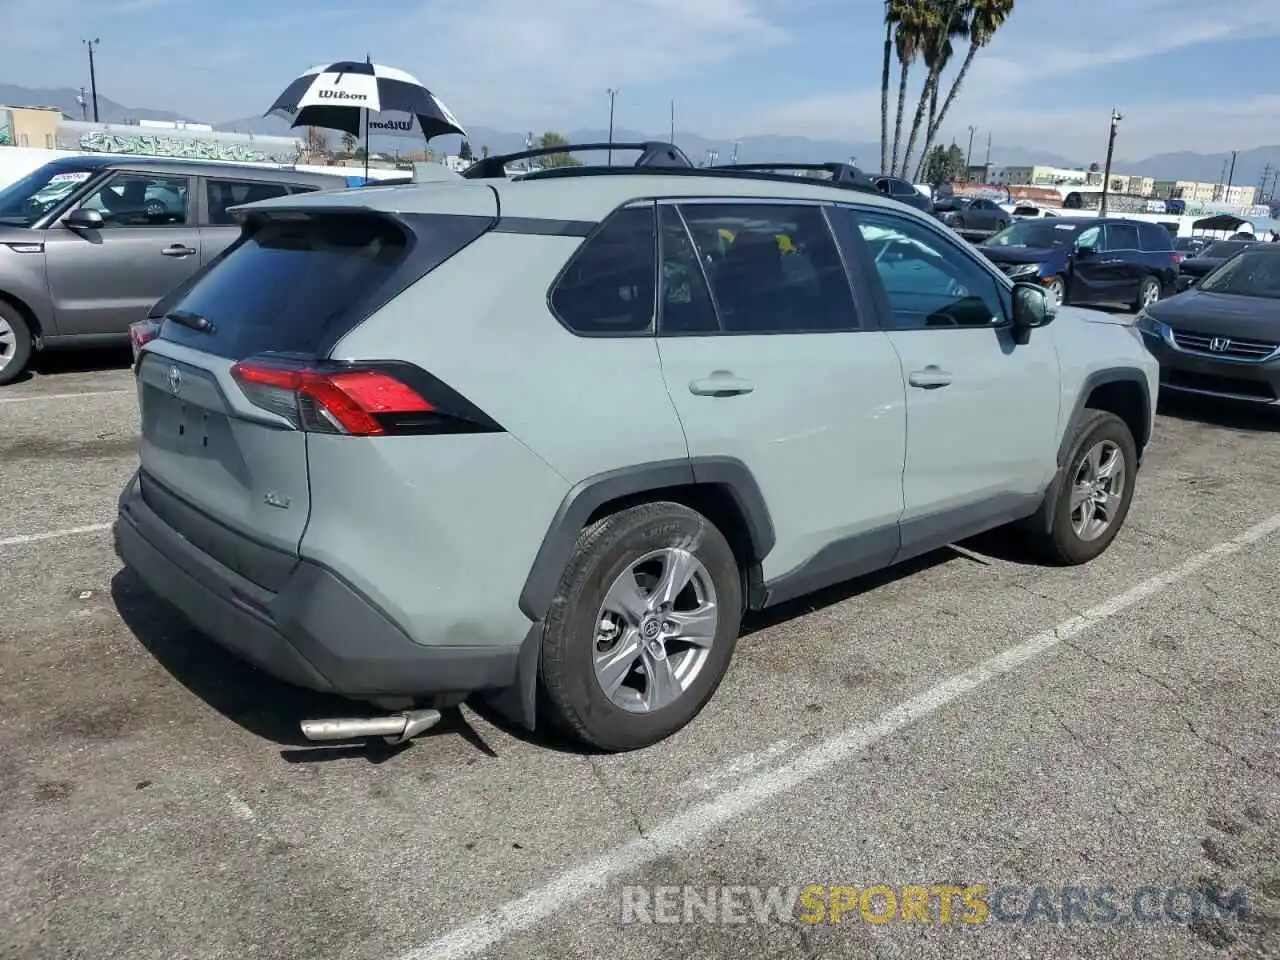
(1121, 268)
(770, 359)
(102, 280)
(289, 287)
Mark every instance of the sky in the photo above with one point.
(1186, 74)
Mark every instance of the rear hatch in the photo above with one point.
(238, 375)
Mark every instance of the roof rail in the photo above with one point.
(653, 153)
(842, 174)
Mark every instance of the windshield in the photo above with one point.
(1032, 233)
(25, 202)
(1223, 249)
(1252, 273)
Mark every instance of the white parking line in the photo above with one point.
(693, 825)
(53, 534)
(62, 396)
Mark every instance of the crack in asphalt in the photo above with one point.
(613, 795)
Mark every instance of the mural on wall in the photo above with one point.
(180, 148)
(6, 128)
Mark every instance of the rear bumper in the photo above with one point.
(315, 632)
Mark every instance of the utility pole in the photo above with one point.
(673, 122)
(969, 153)
(612, 95)
(733, 158)
(93, 75)
(1231, 176)
(1222, 178)
(986, 167)
(1106, 173)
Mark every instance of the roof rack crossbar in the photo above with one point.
(845, 174)
(653, 153)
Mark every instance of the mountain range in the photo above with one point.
(1186, 165)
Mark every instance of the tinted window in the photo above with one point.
(227, 193)
(1122, 236)
(901, 189)
(140, 200)
(1223, 249)
(1253, 273)
(608, 285)
(288, 286)
(1155, 238)
(772, 268)
(686, 302)
(928, 279)
(1038, 235)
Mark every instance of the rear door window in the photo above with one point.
(1122, 236)
(222, 194)
(290, 286)
(1154, 238)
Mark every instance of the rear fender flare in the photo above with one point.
(589, 495)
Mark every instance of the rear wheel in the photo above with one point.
(1148, 293)
(15, 344)
(643, 626)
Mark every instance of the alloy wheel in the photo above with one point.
(655, 630)
(1097, 490)
(8, 343)
(1150, 294)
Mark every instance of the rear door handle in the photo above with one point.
(177, 250)
(720, 384)
(930, 378)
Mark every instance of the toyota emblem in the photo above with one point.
(175, 381)
(1219, 344)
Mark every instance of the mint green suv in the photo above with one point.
(543, 440)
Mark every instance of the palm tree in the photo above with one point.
(985, 18)
(942, 19)
(884, 86)
(910, 26)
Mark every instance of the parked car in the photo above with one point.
(1191, 246)
(368, 468)
(1089, 260)
(1194, 269)
(973, 214)
(93, 242)
(904, 191)
(1222, 338)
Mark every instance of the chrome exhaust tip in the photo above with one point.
(395, 728)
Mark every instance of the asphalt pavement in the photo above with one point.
(1024, 735)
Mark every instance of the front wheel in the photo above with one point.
(1148, 293)
(643, 626)
(15, 344)
(1095, 492)
(1056, 290)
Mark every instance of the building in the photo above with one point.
(1041, 175)
(1201, 191)
(29, 126)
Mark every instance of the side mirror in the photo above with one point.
(83, 219)
(1031, 308)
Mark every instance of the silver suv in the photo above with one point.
(546, 439)
(88, 244)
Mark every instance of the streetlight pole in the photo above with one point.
(673, 122)
(1231, 177)
(612, 95)
(93, 75)
(1106, 173)
(969, 154)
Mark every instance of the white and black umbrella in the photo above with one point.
(343, 96)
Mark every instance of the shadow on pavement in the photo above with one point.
(1221, 413)
(54, 362)
(257, 702)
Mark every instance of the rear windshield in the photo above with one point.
(289, 286)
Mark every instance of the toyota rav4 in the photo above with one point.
(544, 439)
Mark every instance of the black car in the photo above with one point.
(904, 192)
(976, 215)
(1196, 268)
(1089, 259)
(1222, 338)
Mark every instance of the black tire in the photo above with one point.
(11, 367)
(1060, 544)
(1147, 285)
(576, 701)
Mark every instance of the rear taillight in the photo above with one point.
(362, 399)
(1179, 257)
(142, 332)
